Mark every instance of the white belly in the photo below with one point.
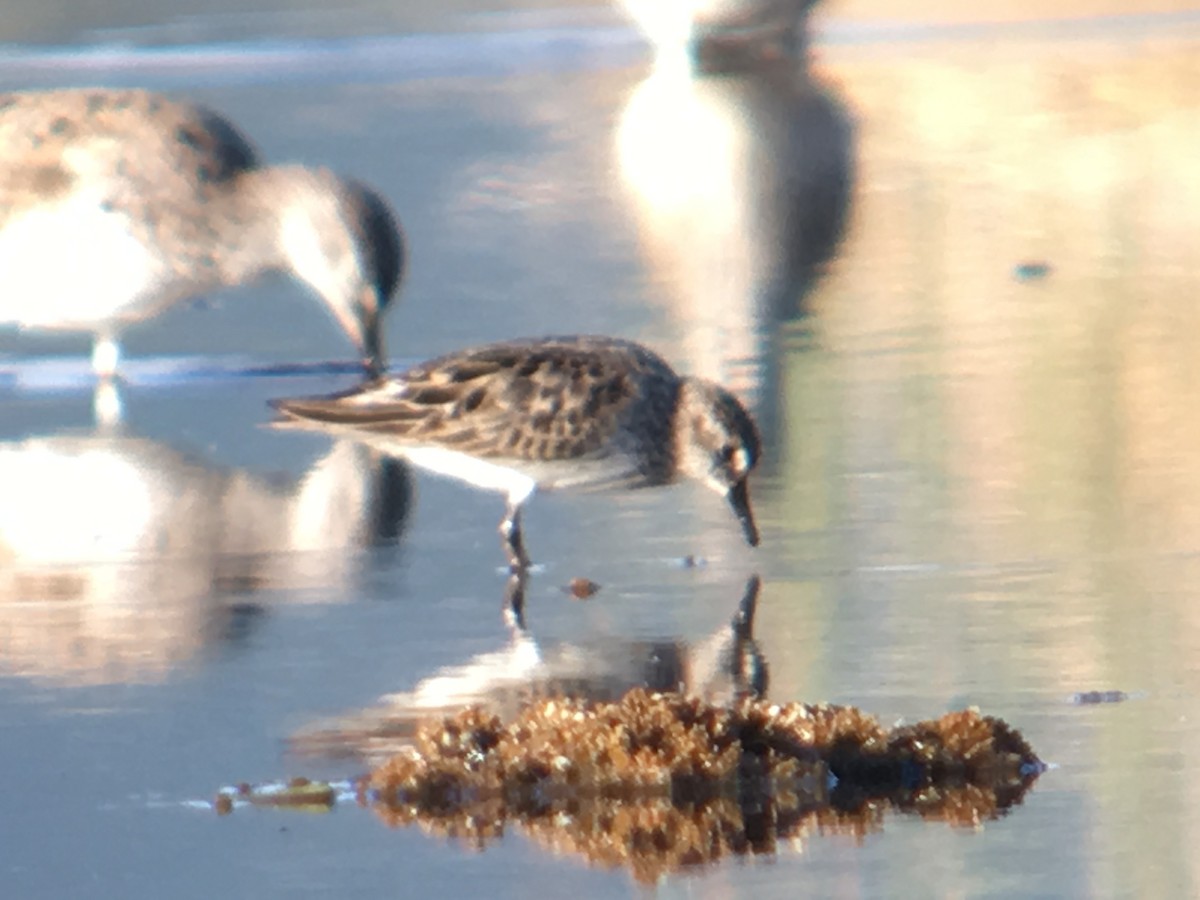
(521, 479)
(478, 472)
(72, 265)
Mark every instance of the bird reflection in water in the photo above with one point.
(724, 665)
(738, 162)
(723, 33)
(122, 558)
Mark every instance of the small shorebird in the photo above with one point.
(560, 412)
(115, 204)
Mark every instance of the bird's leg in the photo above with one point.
(514, 545)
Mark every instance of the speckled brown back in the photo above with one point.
(557, 398)
(47, 139)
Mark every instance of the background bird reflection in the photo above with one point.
(740, 185)
(122, 558)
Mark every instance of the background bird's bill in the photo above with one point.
(362, 323)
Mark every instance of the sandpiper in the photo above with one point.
(115, 204)
(560, 412)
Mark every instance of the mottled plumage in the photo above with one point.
(563, 412)
(117, 203)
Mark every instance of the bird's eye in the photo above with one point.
(727, 453)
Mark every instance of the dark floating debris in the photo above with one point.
(662, 782)
(582, 588)
(1087, 698)
(1031, 270)
(299, 793)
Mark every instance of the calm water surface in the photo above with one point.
(955, 274)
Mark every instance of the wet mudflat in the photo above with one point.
(952, 272)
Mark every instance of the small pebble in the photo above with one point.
(582, 588)
(1031, 270)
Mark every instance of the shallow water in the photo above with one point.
(980, 488)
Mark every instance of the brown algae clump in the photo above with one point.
(662, 745)
(662, 782)
(686, 749)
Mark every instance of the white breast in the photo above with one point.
(72, 265)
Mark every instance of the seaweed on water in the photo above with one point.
(661, 782)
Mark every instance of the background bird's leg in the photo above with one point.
(106, 354)
(107, 409)
(106, 399)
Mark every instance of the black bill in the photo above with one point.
(739, 499)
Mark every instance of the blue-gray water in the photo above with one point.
(981, 481)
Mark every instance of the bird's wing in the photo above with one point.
(535, 400)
